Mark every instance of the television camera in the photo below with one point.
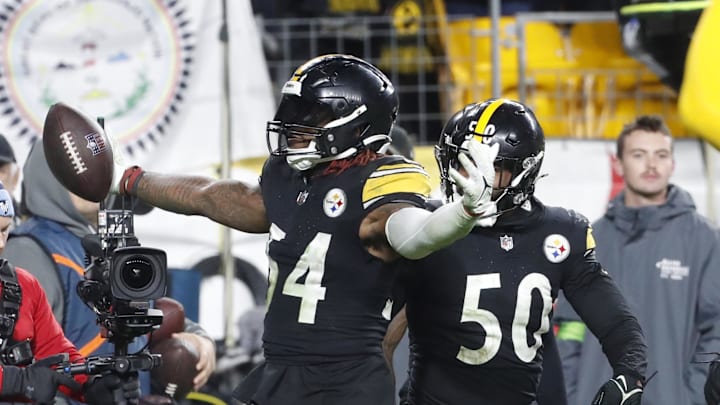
(122, 277)
(121, 280)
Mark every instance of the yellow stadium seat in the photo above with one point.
(549, 54)
(580, 81)
(468, 49)
(650, 99)
(598, 48)
(550, 110)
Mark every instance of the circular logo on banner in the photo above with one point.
(556, 247)
(124, 60)
(334, 203)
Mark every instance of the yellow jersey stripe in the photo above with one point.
(589, 240)
(485, 117)
(207, 398)
(390, 172)
(415, 182)
(407, 165)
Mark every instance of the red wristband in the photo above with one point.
(129, 180)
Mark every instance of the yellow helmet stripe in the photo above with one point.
(485, 117)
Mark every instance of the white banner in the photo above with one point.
(153, 69)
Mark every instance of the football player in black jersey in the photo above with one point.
(324, 197)
(478, 309)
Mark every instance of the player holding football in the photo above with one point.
(476, 327)
(324, 196)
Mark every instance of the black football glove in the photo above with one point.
(39, 381)
(112, 389)
(712, 384)
(620, 390)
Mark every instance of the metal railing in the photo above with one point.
(438, 65)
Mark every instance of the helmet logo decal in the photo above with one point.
(334, 203)
(556, 248)
(292, 87)
(506, 243)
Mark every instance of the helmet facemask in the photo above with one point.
(524, 175)
(320, 140)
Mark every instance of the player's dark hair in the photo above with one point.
(649, 123)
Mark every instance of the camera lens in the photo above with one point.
(137, 273)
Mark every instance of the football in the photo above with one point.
(173, 318)
(78, 152)
(175, 375)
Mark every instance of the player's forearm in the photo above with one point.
(228, 202)
(395, 332)
(180, 194)
(415, 233)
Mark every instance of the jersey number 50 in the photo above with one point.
(493, 334)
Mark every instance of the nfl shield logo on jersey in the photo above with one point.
(334, 203)
(556, 247)
(506, 242)
(301, 198)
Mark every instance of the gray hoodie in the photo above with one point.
(44, 196)
(666, 261)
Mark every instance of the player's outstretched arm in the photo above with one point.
(415, 233)
(228, 202)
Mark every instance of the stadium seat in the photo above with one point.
(598, 49)
(645, 99)
(468, 49)
(579, 80)
(549, 54)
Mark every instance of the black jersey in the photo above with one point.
(478, 309)
(328, 297)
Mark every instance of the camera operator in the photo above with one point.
(28, 331)
(49, 243)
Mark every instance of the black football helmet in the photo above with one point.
(343, 102)
(511, 125)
